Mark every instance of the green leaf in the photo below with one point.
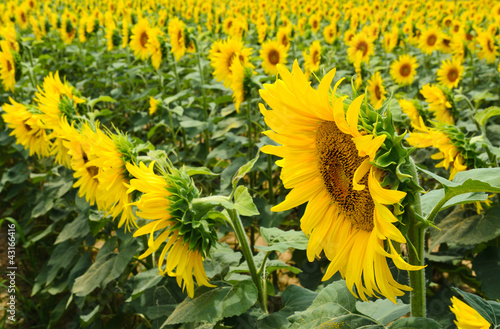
(15, 175)
(294, 299)
(482, 116)
(415, 323)
(243, 202)
(383, 310)
(276, 264)
(280, 241)
(214, 304)
(487, 266)
(107, 267)
(94, 101)
(460, 228)
(143, 281)
(199, 171)
(62, 258)
(474, 180)
(245, 169)
(76, 229)
(332, 308)
(431, 199)
(489, 310)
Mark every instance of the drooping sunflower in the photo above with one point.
(376, 90)
(409, 108)
(467, 317)
(312, 58)
(430, 40)
(239, 82)
(272, 54)
(186, 246)
(7, 67)
(327, 162)
(450, 73)
(139, 39)
(177, 37)
(27, 129)
(404, 69)
(360, 43)
(153, 105)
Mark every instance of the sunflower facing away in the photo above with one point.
(185, 246)
(404, 69)
(327, 163)
(467, 317)
(450, 73)
(272, 54)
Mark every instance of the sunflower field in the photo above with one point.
(249, 164)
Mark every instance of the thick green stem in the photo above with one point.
(416, 236)
(247, 253)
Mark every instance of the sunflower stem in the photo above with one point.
(416, 235)
(204, 102)
(177, 88)
(247, 253)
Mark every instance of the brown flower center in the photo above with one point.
(144, 39)
(92, 170)
(274, 57)
(9, 66)
(315, 57)
(452, 74)
(362, 46)
(405, 70)
(431, 40)
(338, 159)
(377, 92)
(490, 46)
(315, 24)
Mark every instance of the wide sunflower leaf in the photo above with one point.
(294, 299)
(415, 323)
(482, 117)
(334, 306)
(279, 240)
(383, 310)
(460, 228)
(214, 304)
(431, 199)
(487, 266)
(488, 309)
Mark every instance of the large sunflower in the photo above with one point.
(404, 69)
(327, 163)
(450, 73)
(272, 54)
(139, 39)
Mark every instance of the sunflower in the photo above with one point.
(440, 138)
(438, 103)
(330, 33)
(390, 40)
(155, 39)
(312, 58)
(315, 23)
(68, 31)
(404, 69)
(489, 50)
(450, 73)
(360, 43)
(153, 105)
(139, 39)
(26, 127)
(467, 317)
(79, 145)
(429, 40)
(327, 163)
(7, 67)
(229, 51)
(125, 33)
(177, 37)
(272, 53)
(409, 108)
(22, 19)
(376, 90)
(283, 37)
(183, 256)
